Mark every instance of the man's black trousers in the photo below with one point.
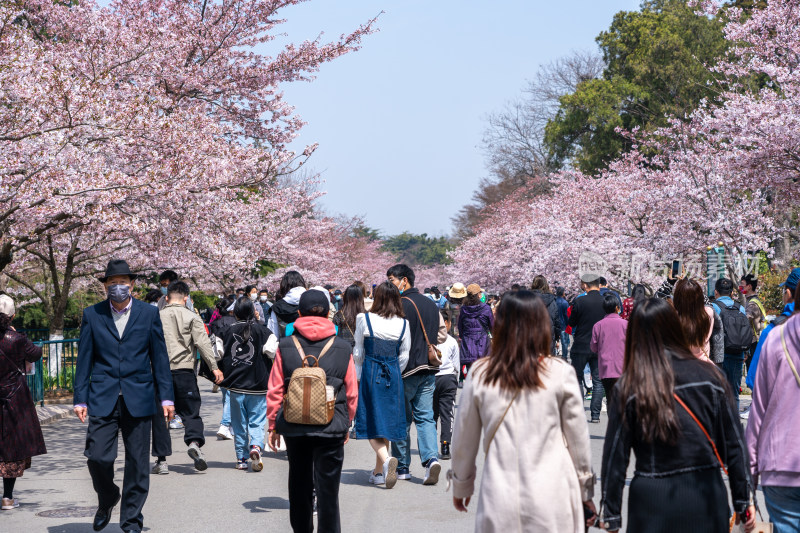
(101, 452)
(314, 463)
(187, 405)
(444, 400)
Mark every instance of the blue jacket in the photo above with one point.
(108, 365)
(563, 305)
(788, 310)
(727, 300)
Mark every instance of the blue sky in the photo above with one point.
(399, 122)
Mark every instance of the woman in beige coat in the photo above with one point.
(537, 475)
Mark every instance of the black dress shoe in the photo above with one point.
(103, 516)
(445, 451)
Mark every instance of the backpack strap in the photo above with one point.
(305, 357)
(369, 325)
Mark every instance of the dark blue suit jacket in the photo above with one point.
(108, 364)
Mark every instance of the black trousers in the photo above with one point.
(608, 387)
(101, 452)
(187, 405)
(444, 400)
(162, 441)
(314, 463)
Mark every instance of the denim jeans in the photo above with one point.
(732, 367)
(226, 408)
(783, 506)
(579, 361)
(248, 415)
(418, 390)
(564, 345)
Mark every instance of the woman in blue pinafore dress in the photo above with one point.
(382, 343)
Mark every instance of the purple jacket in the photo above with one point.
(608, 342)
(773, 429)
(474, 324)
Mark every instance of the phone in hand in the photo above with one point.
(676, 269)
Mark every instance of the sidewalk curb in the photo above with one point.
(49, 414)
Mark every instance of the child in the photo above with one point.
(444, 396)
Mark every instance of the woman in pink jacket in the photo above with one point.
(773, 429)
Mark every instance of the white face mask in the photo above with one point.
(254, 296)
(262, 298)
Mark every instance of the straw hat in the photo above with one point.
(457, 291)
(474, 288)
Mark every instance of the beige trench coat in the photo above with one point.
(538, 469)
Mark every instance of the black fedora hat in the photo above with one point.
(118, 267)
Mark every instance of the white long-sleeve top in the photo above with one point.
(451, 357)
(384, 328)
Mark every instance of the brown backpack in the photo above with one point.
(308, 399)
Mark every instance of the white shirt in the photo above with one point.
(451, 357)
(384, 328)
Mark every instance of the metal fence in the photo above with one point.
(43, 334)
(55, 371)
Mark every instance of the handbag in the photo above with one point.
(434, 354)
(761, 527)
(789, 358)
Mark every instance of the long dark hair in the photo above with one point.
(387, 302)
(522, 334)
(244, 310)
(353, 304)
(654, 336)
(289, 281)
(688, 301)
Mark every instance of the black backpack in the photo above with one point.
(736, 327)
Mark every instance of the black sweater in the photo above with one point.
(706, 392)
(587, 310)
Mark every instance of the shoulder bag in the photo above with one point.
(788, 357)
(434, 354)
(761, 527)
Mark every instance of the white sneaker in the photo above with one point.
(432, 472)
(9, 504)
(744, 415)
(376, 479)
(390, 472)
(224, 433)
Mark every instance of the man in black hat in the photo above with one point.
(121, 358)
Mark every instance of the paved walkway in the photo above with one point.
(57, 496)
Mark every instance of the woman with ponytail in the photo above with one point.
(246, 362)
(678, 416)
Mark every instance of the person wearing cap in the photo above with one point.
(122, 356)
(587, 311)
(19, 424)
(315, 452)
(456, 294)
(475, 323)
(789, 292)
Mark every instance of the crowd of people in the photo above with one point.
(315, 366)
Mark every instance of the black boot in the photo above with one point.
(445, 450)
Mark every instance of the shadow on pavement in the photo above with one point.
(266, 504)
